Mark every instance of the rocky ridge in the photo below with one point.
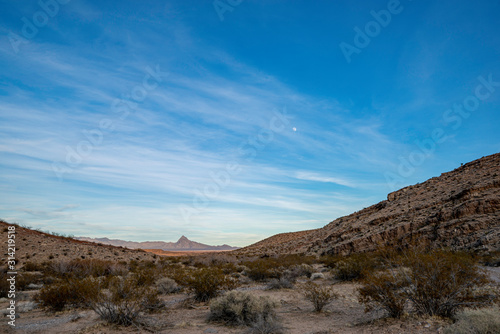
(459, 210)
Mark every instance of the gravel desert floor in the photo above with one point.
(343, 315)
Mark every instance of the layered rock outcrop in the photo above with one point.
(459, 210)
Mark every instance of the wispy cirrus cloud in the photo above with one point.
(220, 86)
(325, 179)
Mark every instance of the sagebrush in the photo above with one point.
(240, 308)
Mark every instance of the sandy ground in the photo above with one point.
(344, 315)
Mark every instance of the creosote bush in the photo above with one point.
(266, 268)
(240, 308)
(318, 295)
(354, 267)
(72, 292)
(124, 300)
(207, 283)
(262, 269)
(383, 291)
(440, 283)
(435, 283)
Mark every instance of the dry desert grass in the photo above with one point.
(140, 292)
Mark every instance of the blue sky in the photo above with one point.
(230, 121)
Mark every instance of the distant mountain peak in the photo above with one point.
(182, 239)
(181, 245)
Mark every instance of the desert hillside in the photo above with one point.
(37, 247)
(459, 209)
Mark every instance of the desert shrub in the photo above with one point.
(476, 321)
(167, 285)
(73, 292)
(122, 303)
(145, 276)
(330, 260)
(25, 279)
(79, 268)
(151, 302)
(383, 291)
(436, 283)
(300, 270)
(224, 262)
(492, 259)
(274, 267)
(319, 295)
(228, 268)
(354, 267)
(262, 269)
(179, 274)
(280, 283)
(133, 265)
(4, 284)
(240, 308)
(265, 326)
(207, 283)
(31, 266)
(441, 283)
(54, 297)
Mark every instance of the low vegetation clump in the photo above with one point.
(492, 259)
(4, 284)
(22, 282)
(300, 270)
(354, 267)
(267, 268)
(479, 321)
(78, 293)
(166, 285)
(262, 269)
(436, 283)
(318, 295)
(240, 308)
(208, 283)
(266, 326)
(383, 291)
(329, 260)
(123, 302)
(440, 283)
(281, 283)
(80, 268)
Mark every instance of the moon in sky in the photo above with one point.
(294, 129)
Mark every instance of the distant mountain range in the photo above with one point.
(183, 244)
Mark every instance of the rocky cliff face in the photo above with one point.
(459, 209)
